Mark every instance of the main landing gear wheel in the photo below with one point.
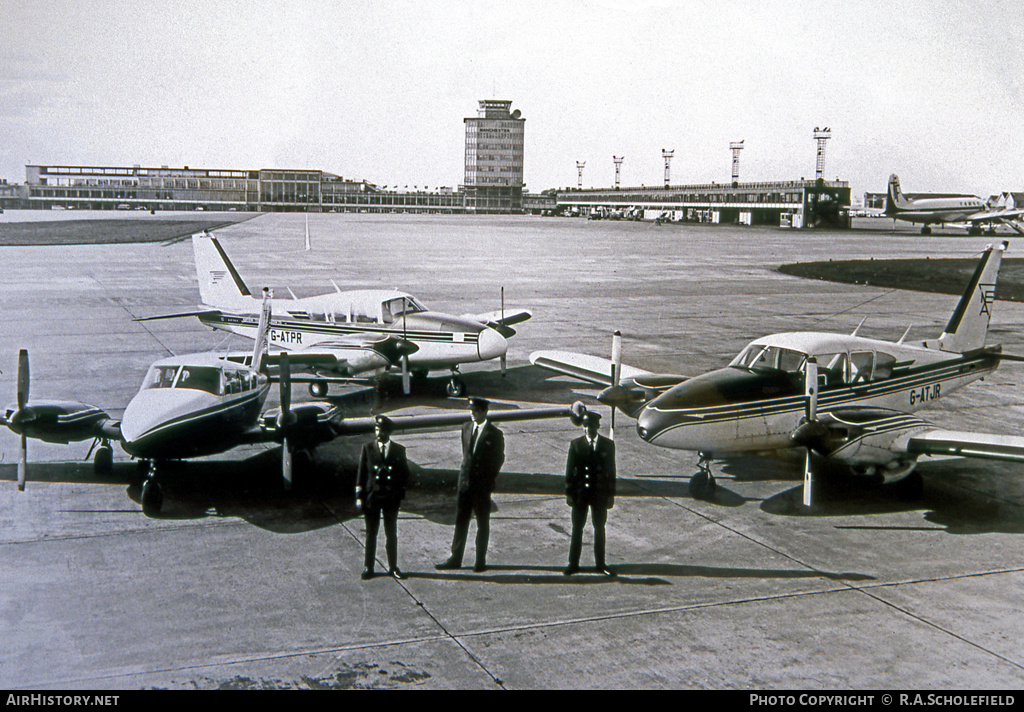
(702, 484)
(152, 496)
(103, 460)
(456, 388)
(926, 231)
(911, 487)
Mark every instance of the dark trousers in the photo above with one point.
(466, 507)
(373, 517)
(599, 517)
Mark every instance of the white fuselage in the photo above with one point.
(742, 410)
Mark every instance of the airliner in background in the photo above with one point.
(942, 208)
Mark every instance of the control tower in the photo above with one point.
(494, 159)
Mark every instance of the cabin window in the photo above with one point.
(200, 378)
(862, 364)
(884, 363)
(237, 382)
(399, 306)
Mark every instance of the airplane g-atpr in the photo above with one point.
(842, 397)
(204, 404)
(357, 333)
(941, 209)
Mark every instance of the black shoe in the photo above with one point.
(366, 575)
(570, 570)
(480, 568)
(448, 564)
(397, 573)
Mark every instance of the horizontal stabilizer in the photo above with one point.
(965, 444)
(202, 313)
(591, 369)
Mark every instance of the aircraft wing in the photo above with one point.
(505, 318)
(967, 444)
(591, 369)
(315, 423)
(1005, 217)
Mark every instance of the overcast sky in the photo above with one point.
(377, 89)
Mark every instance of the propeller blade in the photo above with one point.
(285, 419)
(406, 387)
(811, 388)
(616, 370)
(811, 413)
(23, 378)
(286, 463)
(808, 479)
(23, 381)
(23, 463)
(285, 383)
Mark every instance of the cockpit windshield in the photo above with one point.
(201, 378)
(760, 357)
(392, 309)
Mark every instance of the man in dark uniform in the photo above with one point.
(483, 453)
(380, 488)
(590, 484)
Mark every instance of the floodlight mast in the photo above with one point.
(736, 147)
(821, 136)
(667, 155)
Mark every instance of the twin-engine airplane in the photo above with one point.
(941, 209)
(845, 398)
(351, 335)
(204, 404)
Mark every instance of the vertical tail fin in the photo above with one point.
(261, 347)
(220, 285)
(894, 199)
(968, 325)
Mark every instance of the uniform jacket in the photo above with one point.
(590, 474)
(482, 462)
(381, 481)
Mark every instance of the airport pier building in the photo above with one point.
(65, 187)
(799, 203)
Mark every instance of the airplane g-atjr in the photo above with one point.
(204, 404)
(845, 398)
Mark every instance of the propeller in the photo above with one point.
(811, 431)
(616, 370)
(22, 416)
(286, 418)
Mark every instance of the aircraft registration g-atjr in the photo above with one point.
(942, 209)
(356, 334)
(204, 404)
(845, 398)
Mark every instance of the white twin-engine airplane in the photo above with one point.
(356, 334)
(846, 398)
(204, 404)
(941, 209)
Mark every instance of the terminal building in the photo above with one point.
(493, 183)
(797, 203)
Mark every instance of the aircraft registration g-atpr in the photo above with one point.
(204, 404)
(941, 209)
(841, 397)
(356, 334)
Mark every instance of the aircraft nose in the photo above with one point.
(491, 344)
